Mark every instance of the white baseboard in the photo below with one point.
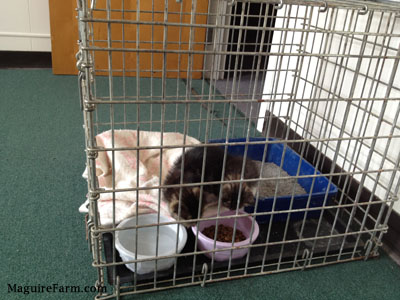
(25, 41)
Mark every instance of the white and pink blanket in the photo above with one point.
(126, 165)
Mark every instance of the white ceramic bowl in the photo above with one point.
(125, 242)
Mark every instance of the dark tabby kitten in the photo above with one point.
(193, 163)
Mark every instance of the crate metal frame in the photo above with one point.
(298, 46)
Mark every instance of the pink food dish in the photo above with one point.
(242, 223)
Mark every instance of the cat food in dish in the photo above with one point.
(224, 233)
(243, 224)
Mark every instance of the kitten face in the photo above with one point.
(230, 191)
(190, 206)
(230, 195)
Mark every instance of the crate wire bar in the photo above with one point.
(318, 77)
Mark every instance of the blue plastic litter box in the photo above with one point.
(290, 164)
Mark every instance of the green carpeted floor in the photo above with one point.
(43, 238)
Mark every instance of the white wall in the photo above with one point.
(24, 25)
(315, 121)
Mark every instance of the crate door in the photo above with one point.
(132, 50)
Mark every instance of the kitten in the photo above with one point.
(193, 162)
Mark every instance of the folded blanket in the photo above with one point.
(126, 165)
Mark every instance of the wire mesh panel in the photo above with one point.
(228, 139)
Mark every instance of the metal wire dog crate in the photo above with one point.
(318, 77)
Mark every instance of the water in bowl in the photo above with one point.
(147, 238)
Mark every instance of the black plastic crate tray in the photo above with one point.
(185, 263)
